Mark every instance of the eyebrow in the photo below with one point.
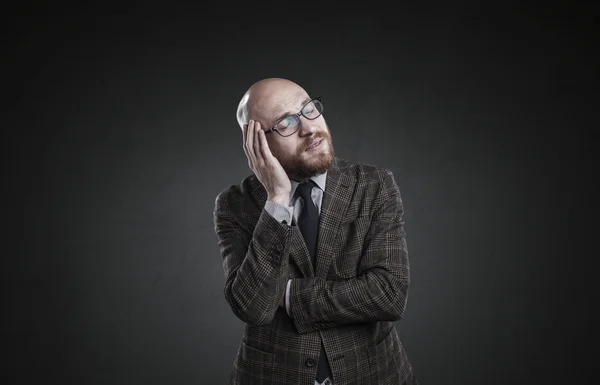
(284, 114)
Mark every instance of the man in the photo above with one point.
(314, 252)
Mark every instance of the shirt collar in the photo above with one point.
(319, 179)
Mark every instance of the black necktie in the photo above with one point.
(308, 222)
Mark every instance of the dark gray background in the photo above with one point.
(120, 131)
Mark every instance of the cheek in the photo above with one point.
(321, 122)
(282, 149)
(290, 147)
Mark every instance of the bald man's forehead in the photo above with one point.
(275, 106)
(292, 103)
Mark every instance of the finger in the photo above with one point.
(257, 144)
(264, 145)
(250, 142)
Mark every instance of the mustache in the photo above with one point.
(307, 144)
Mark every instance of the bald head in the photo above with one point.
(308, 149)
(266, 98)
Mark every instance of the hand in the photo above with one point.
(266, 167)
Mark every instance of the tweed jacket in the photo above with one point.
(350, 301)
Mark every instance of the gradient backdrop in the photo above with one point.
(120, 131)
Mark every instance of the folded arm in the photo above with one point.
(378, 293)
(256, 274)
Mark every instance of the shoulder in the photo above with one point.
(375, 185)
(365, 173)
(235, 194)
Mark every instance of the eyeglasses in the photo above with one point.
(291, 123)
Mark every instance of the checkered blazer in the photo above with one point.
(351, 301)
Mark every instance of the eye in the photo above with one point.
(286, 124)
(310, 110)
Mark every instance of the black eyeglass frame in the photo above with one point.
(299, 114)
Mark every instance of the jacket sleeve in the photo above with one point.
(379, 292)
(256, 273)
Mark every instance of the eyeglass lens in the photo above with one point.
(289, 125)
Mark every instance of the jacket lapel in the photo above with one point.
(338, 193)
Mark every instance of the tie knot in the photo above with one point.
(304, 189)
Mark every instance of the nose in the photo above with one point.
(307, 127)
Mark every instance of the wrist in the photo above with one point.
(282, 199)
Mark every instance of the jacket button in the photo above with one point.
(310, 362)
(279, 247)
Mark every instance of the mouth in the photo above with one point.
(315, 145)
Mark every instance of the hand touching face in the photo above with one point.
(265, 166)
